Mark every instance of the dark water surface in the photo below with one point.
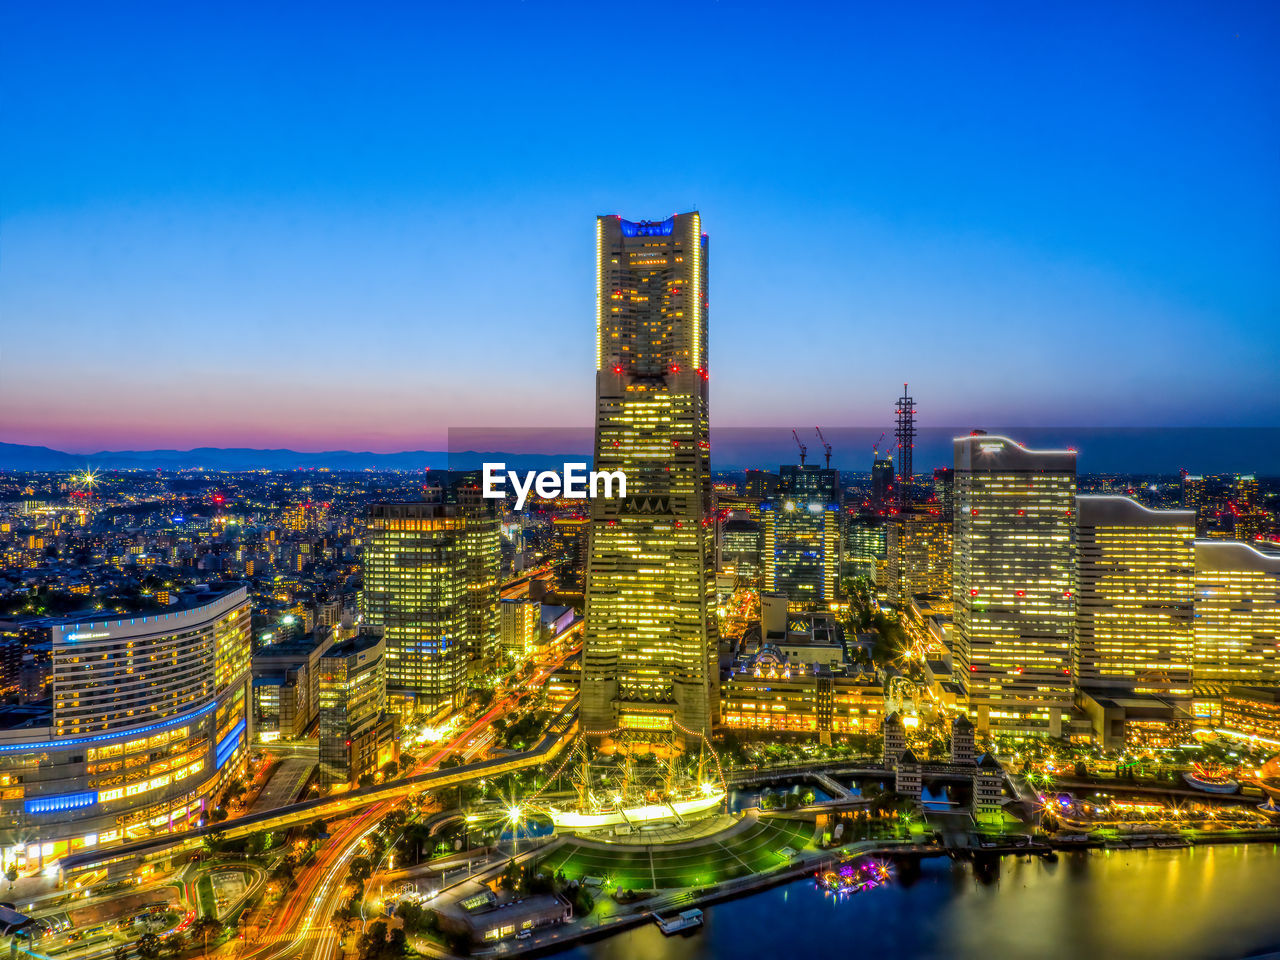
(1205, 903)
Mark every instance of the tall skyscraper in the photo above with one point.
(802, 534)
(944, 492)
(918, 554)
(1013, 584)
(883, 489)
(569, 551)
(1237, 610)
(1134, 609)
(415, 590)
(650, 647)
(356, 737)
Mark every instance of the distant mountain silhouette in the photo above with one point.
(1127, 450)
(19, 457)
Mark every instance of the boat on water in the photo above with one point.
(1210, 779)
(682, 922)
(854, 877)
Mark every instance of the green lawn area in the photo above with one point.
(754, 850)
(208, 905)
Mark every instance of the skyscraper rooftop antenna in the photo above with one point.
(905, 433)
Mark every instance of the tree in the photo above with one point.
(389, 770)
(175, 943)
(149, 946)
(359, 870)
(315, 830)
(205, 927)
(366, 780)
(120, 952)
(397, 943)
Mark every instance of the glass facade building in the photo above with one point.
(1237, 613)
(649, 660)
(1014, 583)
(1134, 609)
(149, 718)
(416, 592)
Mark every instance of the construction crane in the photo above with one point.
(825, 446)
(875, 448)
(803, 449)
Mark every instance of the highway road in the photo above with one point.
(301, 925)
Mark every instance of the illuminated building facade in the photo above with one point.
(521, 620)
(1237, 613)
(150, 717)
(649, 660)
(1013, 583)
(740, 550)
(569, 552)
(865, 546)
(1134, 606)
(1252, 712)
(1193, 496)
(918, 552)
(415, 590)
(356, 734)
(771, 699)
(801, 555)
(944, 492)
(482, 552)
(802, 535)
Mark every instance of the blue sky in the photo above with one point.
(329, 226)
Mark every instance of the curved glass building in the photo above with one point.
(147, 718)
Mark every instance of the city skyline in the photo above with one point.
(210, 242)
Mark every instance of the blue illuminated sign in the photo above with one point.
(229, 744)
(61, 802)
(647, 228)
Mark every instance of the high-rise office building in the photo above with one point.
(482, 549)
(918, 553)
(865, 546)
(761, 485)
(521, 626)
(569, 551)
(740, 546)
(1237, 613)
(415, 591)
(356, 734)
(1134, 603)
(801, 554)
(1246, 490)
(883, 488)
(1193, 497)
(649, 655)
(944, 490)
(1013, 583)
(802, 534)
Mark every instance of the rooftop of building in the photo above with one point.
(188, 599)
(357, 644)
(16, 716)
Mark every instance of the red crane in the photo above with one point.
(803, 449)
(825, 446)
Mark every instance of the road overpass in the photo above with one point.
(122, 860)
